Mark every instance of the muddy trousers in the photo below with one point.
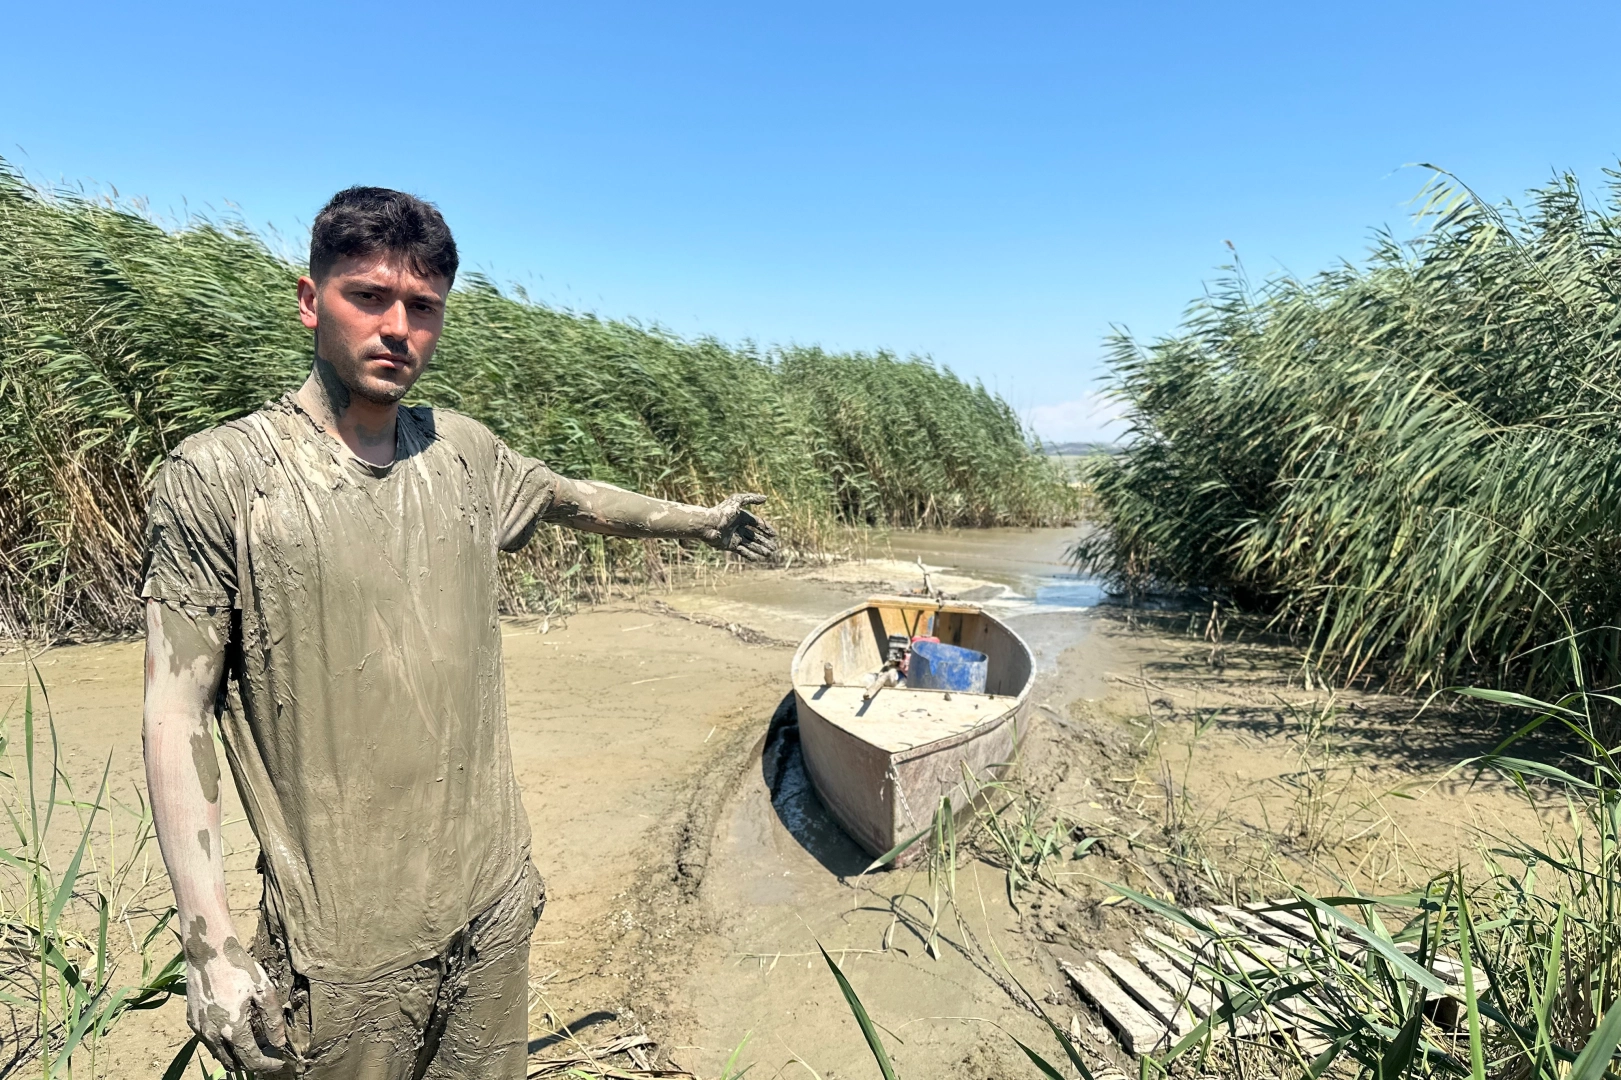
(461, 1015)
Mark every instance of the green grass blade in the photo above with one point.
(726, 1072)
(1477, 1049)
(1403, 1050)
(182, 1058)
(1382, 945)
(1553, 974)
(101, 942)
(70, 878)
(1320, 1064)
(895, 852)
(868, 1031)
(1038, 1061)
(1169, 911)
(1595, 1057)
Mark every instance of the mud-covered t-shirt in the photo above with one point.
(363, 711)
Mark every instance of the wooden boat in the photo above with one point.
(881, 766)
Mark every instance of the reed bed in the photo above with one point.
(119, 337)
(1414, 463)
(82, 943)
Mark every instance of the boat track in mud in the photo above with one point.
(664, 922)
(715, 785)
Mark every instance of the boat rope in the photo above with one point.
(900, 793)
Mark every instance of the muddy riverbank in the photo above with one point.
(693, 875)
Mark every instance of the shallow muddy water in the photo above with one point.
(1021, 575)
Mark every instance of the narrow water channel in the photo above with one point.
(1023, 576)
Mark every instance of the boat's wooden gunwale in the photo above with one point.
(880, 833)
(945, 742)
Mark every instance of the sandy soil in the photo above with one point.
(692, 873)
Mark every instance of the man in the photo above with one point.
(321, 578)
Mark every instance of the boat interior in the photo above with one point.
(836, 668)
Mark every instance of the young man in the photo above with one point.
(321, 577)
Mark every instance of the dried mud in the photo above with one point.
(692, 874)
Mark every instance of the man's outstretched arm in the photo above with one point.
(602, 508)
(230, 1003)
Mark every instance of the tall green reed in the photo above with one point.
(65, 903)
(120, 337)
(1412, 463)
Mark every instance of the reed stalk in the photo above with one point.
(1413, 463)
(119, 337)
(66, 904)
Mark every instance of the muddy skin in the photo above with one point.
(186, 630)
(332, 397)
(208, 766)
(738, 530)
(218, 1018)
(238, 956)
(204, 843)
(199, 952)
(596, 507)
(332, 393)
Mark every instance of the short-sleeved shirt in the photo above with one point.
(363, 711)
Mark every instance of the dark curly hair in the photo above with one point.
(371, 220)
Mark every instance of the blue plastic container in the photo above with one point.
(937, 666)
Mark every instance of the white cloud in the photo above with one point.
(1092, 418)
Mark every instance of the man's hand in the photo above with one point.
(234, 1009)
(733, 528)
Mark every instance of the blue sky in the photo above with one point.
(992, 185)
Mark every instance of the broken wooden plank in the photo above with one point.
(1239, 956)
(1353, 949)
(1183, 989)
(1236, 939)
(1195, 964)
(1309, 932)
(1188, 956)
(1139, 1032)
(1301, 943)
(1261, 930)
(1149, 994)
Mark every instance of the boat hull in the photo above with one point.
(874, 765)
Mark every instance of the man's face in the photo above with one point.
(376, 321)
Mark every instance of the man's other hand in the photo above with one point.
(235, 1011)
(735, 529)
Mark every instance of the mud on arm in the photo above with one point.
(230, 1003)
(595, 507)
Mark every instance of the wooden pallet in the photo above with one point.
(1171, 980)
